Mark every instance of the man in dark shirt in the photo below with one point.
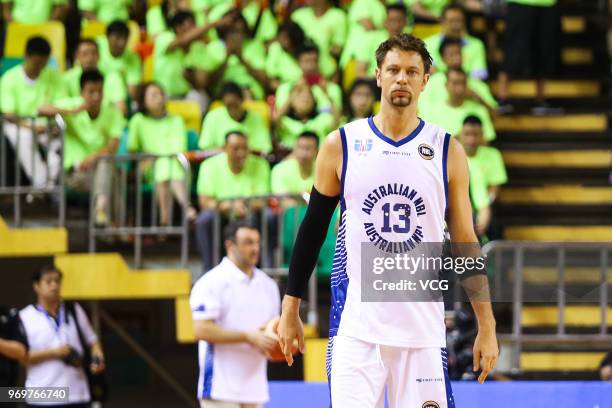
(13, 345)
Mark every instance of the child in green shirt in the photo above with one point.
(156, 132)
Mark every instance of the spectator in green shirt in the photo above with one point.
(33, 11)
(450, 113)
(92, 131)
(327, 94)
(156, 132)
(473, 50)
(228, 183)
(478, 90)
(237, 57)
(295, 174)
(428, 9)
(158, 17)
(281, 59)
(115, 57)
(23, 89)
(260, 19)
(299, 113)
(86, 58)
(106, 11)
(361, 98)
(233, 116)
(181, 60)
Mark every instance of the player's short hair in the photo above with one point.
(231, 88)
(397, 7)
(180, 17)
(88, 41)
(457, 70)
(308, 134)
(306, 48)
(119, 28)
(91, 75)
(404, 42)
(231, 230)
(39, 273)
(449, 42)
(235, 132)
(472, 120)
(452, 6)
(38, 45)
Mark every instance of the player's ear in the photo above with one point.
(378, 77)
(425, 80)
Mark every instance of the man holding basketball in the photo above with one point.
(398, 180)
(230, 305)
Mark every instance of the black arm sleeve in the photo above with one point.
(309, 240)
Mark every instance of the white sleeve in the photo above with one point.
(88, 332)
(276, 301)
(205, 300)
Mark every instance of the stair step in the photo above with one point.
(530, 176)
(569, 56)
(572, 274)
(561, 361)
(595, 233)
(558, 158)
(569, 25)
(557, 195)
(583, 316)
(552, 89)
(563, 123)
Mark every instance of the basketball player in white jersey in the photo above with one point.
(397, 178)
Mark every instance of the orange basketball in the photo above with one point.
(271, 330)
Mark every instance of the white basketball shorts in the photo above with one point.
(359, 372)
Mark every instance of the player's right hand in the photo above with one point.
(290, 327)
(261, 341)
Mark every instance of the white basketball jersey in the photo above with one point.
(393, 193)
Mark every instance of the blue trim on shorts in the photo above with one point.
(208, 371)
(450, 401)
(447, 138)
(344, 165)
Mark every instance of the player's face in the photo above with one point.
(87, 55)
(237, 150)
(452, 56)
(470, 137)
(362, 101)
(456, 84)
(453, 23)
(401, 77)
(154, 100)
(395, 22)
(49, 287)
(305, 149)
(246, 248)
(92, 94)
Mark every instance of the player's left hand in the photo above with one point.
(485, 348)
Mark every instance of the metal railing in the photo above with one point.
(511, 287)
(38, 146)
(127, 219)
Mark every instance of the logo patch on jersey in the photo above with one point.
(363, 146)
(430, 404)
(426, 151)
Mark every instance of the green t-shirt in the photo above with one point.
(217, 181)
(287, 178)
(156, 24)
(267, 24)
(537, 3)
(107, 11)
(128, 64)
(281, 64)
(114, 87)
(433, 6)
(290, 128)
(22, 96)
(33, 11)
(360, 9)
(473, 55)
(333, 96)
(161, 136)
(85, 135)
(168, 67)
(219, 123)
(435, 90)
(479, 194)
(253, 51)
(492, 164)
(450, 118)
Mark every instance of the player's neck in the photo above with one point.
(396, 123)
